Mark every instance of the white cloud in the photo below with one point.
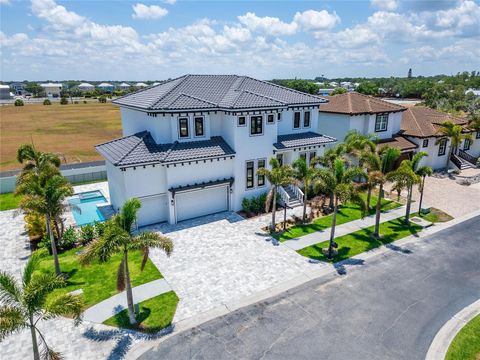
(387, 5)
(13, 40)
(267, 25)
(464, 18)
(170, 2)
(316, 20)
(141, 11)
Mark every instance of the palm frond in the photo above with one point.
(112, 241)
(36, 291)
(149, 239)
(50, 354)
(128, 214)
(10, 293)
(12, 320)
(64, 305)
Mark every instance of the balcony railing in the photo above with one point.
(467, 157)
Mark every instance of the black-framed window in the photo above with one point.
(256, 125)
(442, 147)
(183, 127)
(466, 144)
(296, 120)
(306, 119)
(250, 168)
(381, 122)
(270, 118)
(425, 143)
(199, 128)
(280, 159)
(478, 135)
(279, 116)
(242, 121)
(260, 178)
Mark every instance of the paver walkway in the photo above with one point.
(104, 310)
(344, 229)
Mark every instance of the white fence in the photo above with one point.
(75, 173)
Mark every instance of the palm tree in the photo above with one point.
(24, 305)
(278, 175)
(305, 175)
(379, 164)
(34, 160)
(45, 193)
(118, 237)
(456, 135)
(339, 180)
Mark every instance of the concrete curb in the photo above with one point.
(317, 271)
(440, 344)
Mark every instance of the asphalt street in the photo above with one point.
(389, 307)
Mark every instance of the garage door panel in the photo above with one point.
(154, 210)
(201, 202)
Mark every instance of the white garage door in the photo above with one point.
(201, 202)
(154, 210)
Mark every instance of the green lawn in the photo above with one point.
(466, 345)
(360, 241)
(9, 201)
(435, 215)
(155, 314)
(98, 281)
(346, 213)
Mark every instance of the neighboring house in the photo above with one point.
(52, 89)
(475, 92)
(124, 86)
(192, 145)
(5, 92)
(421, 126)
(106, 87)
(325, 92)
(140, 85)
(85, 87)
(18, 88)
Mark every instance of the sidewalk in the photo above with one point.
(104, 310)
(344, 229)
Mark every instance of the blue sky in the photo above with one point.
(153, 40)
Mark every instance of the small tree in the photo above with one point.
(304, 174)
(23, 305)
(102, 99)
(47, 102)
(456, 135)
(338, 90)
(63, 101)
(18, 102)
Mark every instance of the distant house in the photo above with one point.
(106, 87)
(86, 87)
(140, 85)
(18, 88)
(52, 89)
(5, 92)
(475, 92)
(155, 83)
(325, 92)
(124, 86)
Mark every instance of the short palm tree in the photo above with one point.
(45, 193)
(304, 174)
(422, 172)
(23, 306)
(456, 135)
(117, 237)
(339, 180)
(379, 164)
(278, 175)
(404, 178)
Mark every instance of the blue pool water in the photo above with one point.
(87, 203)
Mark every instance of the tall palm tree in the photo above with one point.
(379, 164)
(339, 179)
(278, 175)
(118, 237)
(456, 135)
(45, 193)
(24, 305)
(304, 174)
(34, 160)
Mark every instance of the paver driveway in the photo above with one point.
(220, 259)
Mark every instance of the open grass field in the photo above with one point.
(71, 130)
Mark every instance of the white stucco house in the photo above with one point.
(192, 146)
(52, 89)
(124, 86)
(86, 87)
(107, 87)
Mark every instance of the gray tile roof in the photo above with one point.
(302, 139)
(141, 149)
(192, 92)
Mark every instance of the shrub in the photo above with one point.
(246, 204)
(35, 224)
(255, 204)
(68, 239)
(47, 102)
(45, 244)
(102, 99)
(84, 101)
(19, 102)
(63, 101)
(75, 102)
(99, 228)
(87, 234)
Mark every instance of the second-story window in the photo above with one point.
(199, 128)
(296, 120)
(183, 127)
(425, 142)
(306, 119)
(381, 122)
(256, 125)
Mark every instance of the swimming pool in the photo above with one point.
(85, 210)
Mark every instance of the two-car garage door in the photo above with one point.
(201, 202)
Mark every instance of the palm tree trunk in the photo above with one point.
(128, 285)
(330, 205)
(53, 245)
(409, 203)
(421, 196)
(36, 353)
(274, 207)
(378, 209)
(332, 231)
(369, 196)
